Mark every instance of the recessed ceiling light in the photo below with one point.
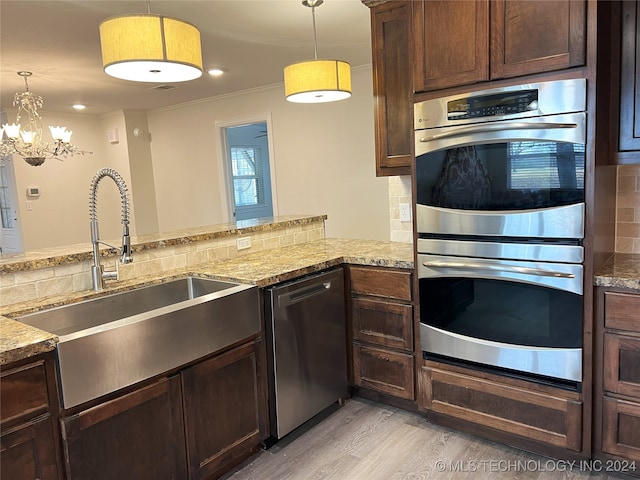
(79, 106)
(215, 72)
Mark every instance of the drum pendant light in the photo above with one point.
(317, 81)
(150, 48)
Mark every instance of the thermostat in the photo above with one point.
(33, 192)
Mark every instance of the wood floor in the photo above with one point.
(363, 440)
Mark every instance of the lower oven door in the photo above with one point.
(524, 317)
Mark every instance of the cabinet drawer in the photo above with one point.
(23, 391)
(544, 417)
(382, 323)
(381, 283)
(622, 364)
(384, 371)
(620, 427)
(621, 311)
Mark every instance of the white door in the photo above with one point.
(10, 235)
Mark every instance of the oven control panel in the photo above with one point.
(500, 104)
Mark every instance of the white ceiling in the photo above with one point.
(252, 40)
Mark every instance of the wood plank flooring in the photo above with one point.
(363, 440)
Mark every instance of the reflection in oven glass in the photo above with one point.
(505, 176)
(500, 311)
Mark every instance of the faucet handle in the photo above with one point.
(111, 274)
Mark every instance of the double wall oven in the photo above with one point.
(500, 222)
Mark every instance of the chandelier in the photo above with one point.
(317, 81)
(24, 138)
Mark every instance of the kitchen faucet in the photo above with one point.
(98, 275)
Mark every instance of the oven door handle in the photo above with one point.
(497, 127)
(499, 268)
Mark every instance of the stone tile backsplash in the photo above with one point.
(628, 215)
(30, 285)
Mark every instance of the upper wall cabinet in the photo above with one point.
(392, 88)
(471, 41)
(629, 105)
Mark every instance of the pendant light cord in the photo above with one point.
(315, 40)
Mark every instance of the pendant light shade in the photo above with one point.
(150, 48)
(317, 81)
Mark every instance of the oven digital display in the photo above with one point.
(492, 105)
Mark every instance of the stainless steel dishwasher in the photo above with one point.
(307, 348)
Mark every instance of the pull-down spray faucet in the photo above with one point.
(98, 275)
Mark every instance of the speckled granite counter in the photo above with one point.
(622, 270)
(262, 268)
(18, 341)
(16, 262)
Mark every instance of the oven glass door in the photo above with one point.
(523, 316)
(502, 165)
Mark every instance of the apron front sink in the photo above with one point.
(114, 341)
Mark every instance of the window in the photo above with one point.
(246, 169)
(552, 165)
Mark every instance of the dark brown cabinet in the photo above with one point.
(618, 415)
(623, 65)
(196, 424)
(536, 414)
(28, 406)
(466, 42)
(138, 435)
(382, 331)
(392, 87)
(222, 412)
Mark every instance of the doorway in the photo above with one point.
(248, 169)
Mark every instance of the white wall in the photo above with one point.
(323, 154)
(60, 216)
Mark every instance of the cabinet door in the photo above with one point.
(630, 79)
(532, 37)
(382, 323)
(221, 410)
(622, 364)
(27, 451)
(392, 88)
(451, 41)
(541, 416)
(138, 435)
(384, 371)
(620, 427)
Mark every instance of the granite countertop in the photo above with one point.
(622, 270)
(263, 268)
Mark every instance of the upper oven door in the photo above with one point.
(505, 178)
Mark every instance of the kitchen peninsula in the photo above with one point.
(283, 248)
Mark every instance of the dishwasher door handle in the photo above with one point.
(296, 296)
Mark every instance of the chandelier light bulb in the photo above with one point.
(12, 130)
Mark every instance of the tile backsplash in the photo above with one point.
(628, 221)
(399, 193)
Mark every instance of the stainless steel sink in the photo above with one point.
(110, 342)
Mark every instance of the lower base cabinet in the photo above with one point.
(196, 424)
(28, 420)
(547, 416)
(136, 436)
(27, 451)
(221, 411)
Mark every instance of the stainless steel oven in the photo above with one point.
(500, 221)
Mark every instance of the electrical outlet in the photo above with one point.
(405, 212)
(243, 243)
